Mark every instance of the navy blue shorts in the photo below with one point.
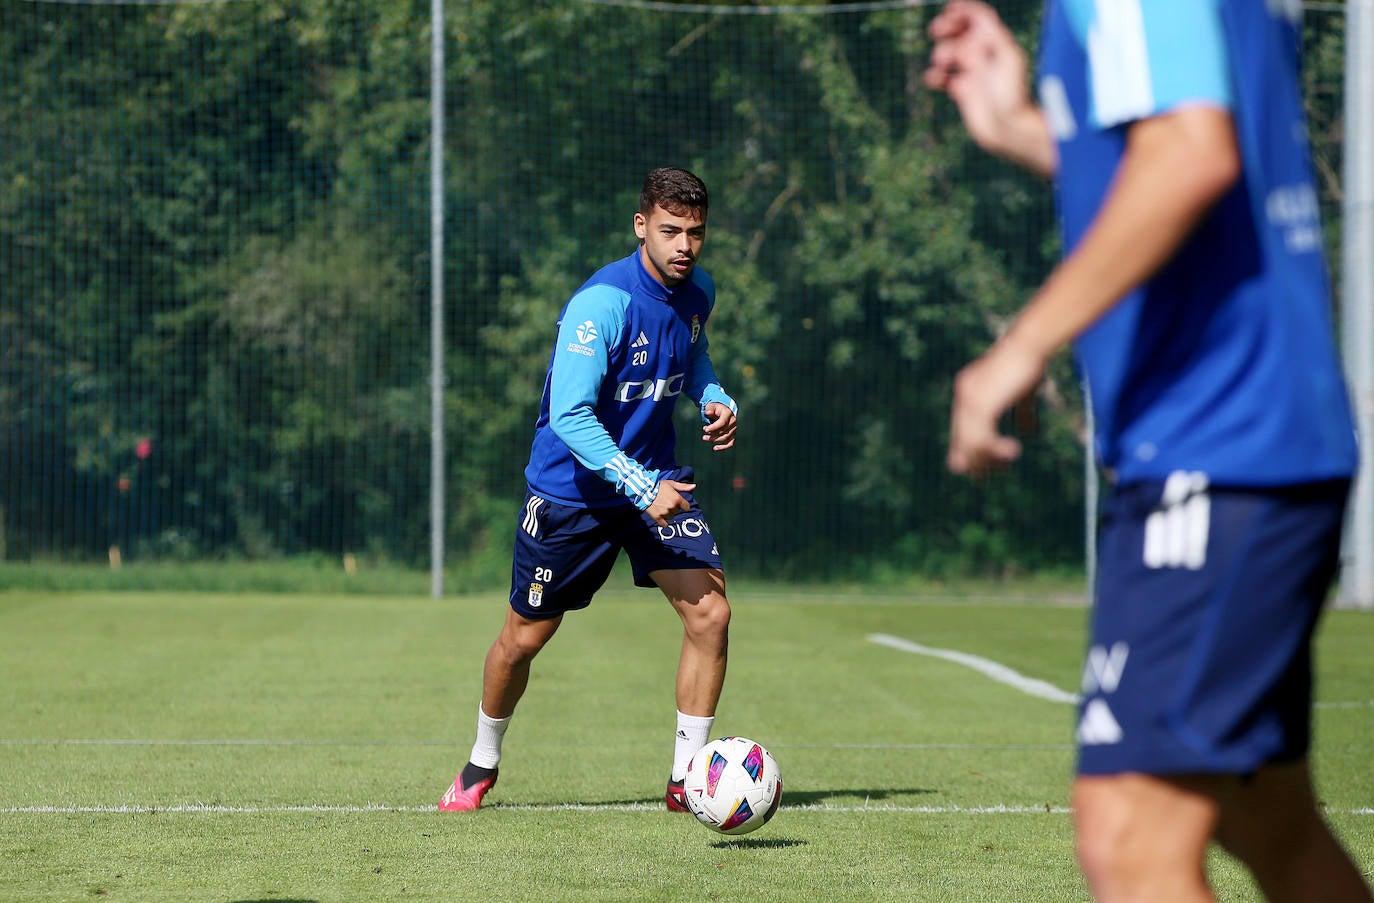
(1200, 659)
(563, 555)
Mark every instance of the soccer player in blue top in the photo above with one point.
(1194, 292)
(603, 476)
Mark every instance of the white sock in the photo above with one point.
(486, 750)
(693, 732)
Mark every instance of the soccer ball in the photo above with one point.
(733, 785)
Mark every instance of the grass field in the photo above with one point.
(228, 747)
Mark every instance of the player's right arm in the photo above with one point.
(977, 62)
(581, 361)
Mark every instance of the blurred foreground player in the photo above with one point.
(1195, 294)
(603, 476)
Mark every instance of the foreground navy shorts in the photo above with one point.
(1207, 599)
(563, 555)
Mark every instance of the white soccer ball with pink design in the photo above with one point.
(733, 785)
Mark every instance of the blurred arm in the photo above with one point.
(977, 62)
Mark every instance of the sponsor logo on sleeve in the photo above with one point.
(586, 335)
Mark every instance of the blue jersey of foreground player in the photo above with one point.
(1224, 362)
(627, 347)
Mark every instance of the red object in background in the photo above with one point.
(738, 483)
(144, 448)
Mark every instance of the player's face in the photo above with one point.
(670, 243)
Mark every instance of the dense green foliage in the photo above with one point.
(214, 235)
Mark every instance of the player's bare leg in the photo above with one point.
(505, 675)
(698, 596)
(1143, 839)
(506, 672)
(1271, 823)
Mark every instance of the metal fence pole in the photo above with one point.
(437, 515)
(1357, 298)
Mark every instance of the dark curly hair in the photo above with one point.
(675, 190)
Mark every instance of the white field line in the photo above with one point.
(150, 741)
(216, 809)
(998, 672)
(223, 741)
(1030, 685)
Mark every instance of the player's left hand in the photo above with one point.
(720, 427)
(1005, 375)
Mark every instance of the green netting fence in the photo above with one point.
(215, 274)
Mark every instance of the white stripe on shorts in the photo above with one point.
(530, 524)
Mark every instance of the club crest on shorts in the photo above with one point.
(536, 596)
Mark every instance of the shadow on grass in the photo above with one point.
(756, 843)
(804, 797)
(813, 798)
(821, 797)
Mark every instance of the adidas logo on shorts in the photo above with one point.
(1098, 726)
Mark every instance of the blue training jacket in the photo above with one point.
(627, 347)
